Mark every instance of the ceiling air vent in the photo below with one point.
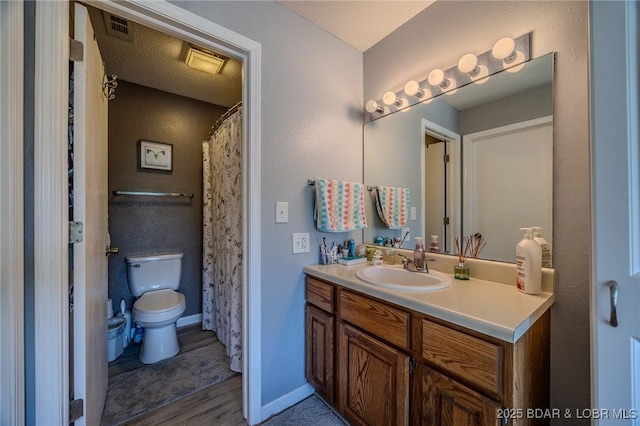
(118, 27)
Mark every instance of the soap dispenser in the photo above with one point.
(434, 247)
(544, 245)
(418, 254)
(528, 264)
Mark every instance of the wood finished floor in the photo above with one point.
(218, 404)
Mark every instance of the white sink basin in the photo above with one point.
(396, 277)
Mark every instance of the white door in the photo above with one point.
(497, 207)
(90, 207)
(616, 212)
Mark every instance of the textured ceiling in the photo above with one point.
(154, 59)
(358, 23)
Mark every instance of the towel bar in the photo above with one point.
(153, 194)
(312, 182)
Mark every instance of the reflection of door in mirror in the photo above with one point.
(440, 184)
(435, 187)
(508, 184)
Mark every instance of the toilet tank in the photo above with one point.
(149, 272)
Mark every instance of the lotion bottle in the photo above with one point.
(544, 245)
(529, 264)
(418, 254)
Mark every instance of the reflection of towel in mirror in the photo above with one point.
(339, 206)
(392, 205)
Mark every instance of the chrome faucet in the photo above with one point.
(410, 265)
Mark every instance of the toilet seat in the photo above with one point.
(158, 306)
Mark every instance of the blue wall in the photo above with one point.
(311, 127)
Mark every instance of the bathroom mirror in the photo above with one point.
(476, 161)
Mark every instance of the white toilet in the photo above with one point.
(153, 278)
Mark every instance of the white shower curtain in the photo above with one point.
(222, 236)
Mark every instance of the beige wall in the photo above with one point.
(437, 38)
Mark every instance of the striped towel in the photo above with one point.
(392, 205)
(339, 206)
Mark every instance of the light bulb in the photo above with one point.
(372, 106)
(436, 77)
(412, 88)
(468, 64)
(504, 50)
(390, 98)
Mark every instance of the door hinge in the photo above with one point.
(445, 220)
(412, 366)
(76, 232)
(445, 158)
(76, 50)
(76, 410)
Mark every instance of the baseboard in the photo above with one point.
(286, 401)
(191, 319)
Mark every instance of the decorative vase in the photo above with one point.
(461, 272)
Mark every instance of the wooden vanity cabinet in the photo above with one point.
(446, 402)
(320, 338)
(395, 366)
(373, 361)
(373, 380)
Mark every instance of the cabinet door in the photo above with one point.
(446, 402)
(319, 351)
(373, 380)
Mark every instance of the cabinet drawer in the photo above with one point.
(320, 294)
(469, 358)
(381, 320)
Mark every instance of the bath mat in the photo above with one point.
(311, 411)
(135, 392)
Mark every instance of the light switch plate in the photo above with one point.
(413, 213)
(300, 243)
(282, 212)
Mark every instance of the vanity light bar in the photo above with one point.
(506, 54)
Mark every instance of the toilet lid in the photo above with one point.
(159, 301)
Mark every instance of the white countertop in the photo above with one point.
(495, 309)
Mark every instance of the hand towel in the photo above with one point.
(392, 205)
(339, 206)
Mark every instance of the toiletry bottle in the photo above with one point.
(544, 245)
(434, 247)
(418, 254)
(529, 264)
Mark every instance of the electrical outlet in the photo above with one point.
(300, 243)
(282, 212)
(413, 213)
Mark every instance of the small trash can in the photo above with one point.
(115, 337)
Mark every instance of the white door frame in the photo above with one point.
(51, 218)
(453, 173)
(11, 215)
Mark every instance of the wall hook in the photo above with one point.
(109, 87)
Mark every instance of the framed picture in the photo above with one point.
(156, 155)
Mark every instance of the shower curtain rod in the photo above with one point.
(224, 116)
